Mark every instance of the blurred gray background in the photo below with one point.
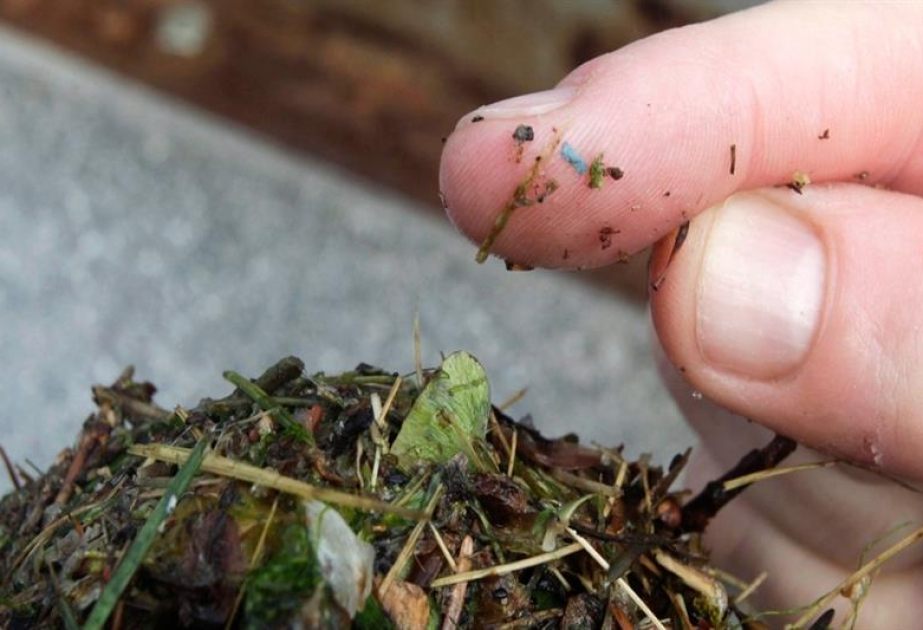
(136, 231)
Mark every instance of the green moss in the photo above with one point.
(372, 617)
(281, 585)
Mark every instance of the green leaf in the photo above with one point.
(449, 414)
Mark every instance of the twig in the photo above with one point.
(512, 400)
(587, 485)
(509, 468)
(457, 597)
(750, 588)
(560, 578)
(701, 509)
(145, 538)
(417, 349)
(225, 467)
(130, 406)
(746, 480)
(503, 569)
(382, 419)
(708, 586)
(76, 466)
(442, 547)
(866, 569)
(501, 435)
(9, 469)
(622, 582)
(411, 542)
(380, 426)
(531, 620)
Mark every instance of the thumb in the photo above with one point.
(802, 312)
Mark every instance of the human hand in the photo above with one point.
(799, 311)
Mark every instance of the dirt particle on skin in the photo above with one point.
(605, 236)
(799, 181)
(733, 159)
(515, 266)
(862, 175)
(623, 257)
(615, 173)
(523, 133)
(444, 139)
(566, 254)
(825, 135)
(477, 118)
(550, 186)
(679, 237)
(666, 194)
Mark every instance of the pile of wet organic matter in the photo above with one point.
(367, 499)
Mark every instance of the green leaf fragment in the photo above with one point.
(450, 413)
(597, 172)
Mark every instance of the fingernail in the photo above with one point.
(519, 106)
(761, 289)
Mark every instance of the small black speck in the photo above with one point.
(477, 118)
(825, 135)
(444, 139)
(523, 133)
(615, 172)
(666, 194)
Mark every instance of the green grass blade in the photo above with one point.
(143, 541)
(266, 403)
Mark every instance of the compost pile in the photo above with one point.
(365, 499)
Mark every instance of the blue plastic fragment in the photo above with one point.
(573, 158)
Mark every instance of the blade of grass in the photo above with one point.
(746, 480)
(143, 541)
(866, 569)
(266, 403)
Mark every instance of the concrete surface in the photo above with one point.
(133, 230)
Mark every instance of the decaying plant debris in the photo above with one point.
(363, 499)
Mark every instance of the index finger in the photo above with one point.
(639, 141)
